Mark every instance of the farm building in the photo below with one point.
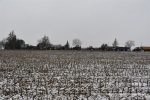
(1, 47)
(110, 48)
(144, 48)
(56, 47)
(122, 49)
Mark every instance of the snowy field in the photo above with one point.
(68, 75)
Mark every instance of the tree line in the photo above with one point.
(13, 43)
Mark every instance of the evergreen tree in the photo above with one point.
(115, 43)
(67, 46)
(11, 41)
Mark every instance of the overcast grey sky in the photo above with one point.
(92, 21)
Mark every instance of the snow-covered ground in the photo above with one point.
(68, 75)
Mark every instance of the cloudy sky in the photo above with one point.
(92, 21)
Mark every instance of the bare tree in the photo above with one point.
(76, 43)
(129, 43)
(44, 43)
(115, 43)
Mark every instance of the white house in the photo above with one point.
(1, 47)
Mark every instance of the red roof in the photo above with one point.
(145, 48)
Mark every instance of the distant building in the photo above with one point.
(30, 47)
(122, 49)
(111, 48)
(90, 48)
(137, 49)
(145, 48)
(1, 47)
(76, 48)
(56, 47)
